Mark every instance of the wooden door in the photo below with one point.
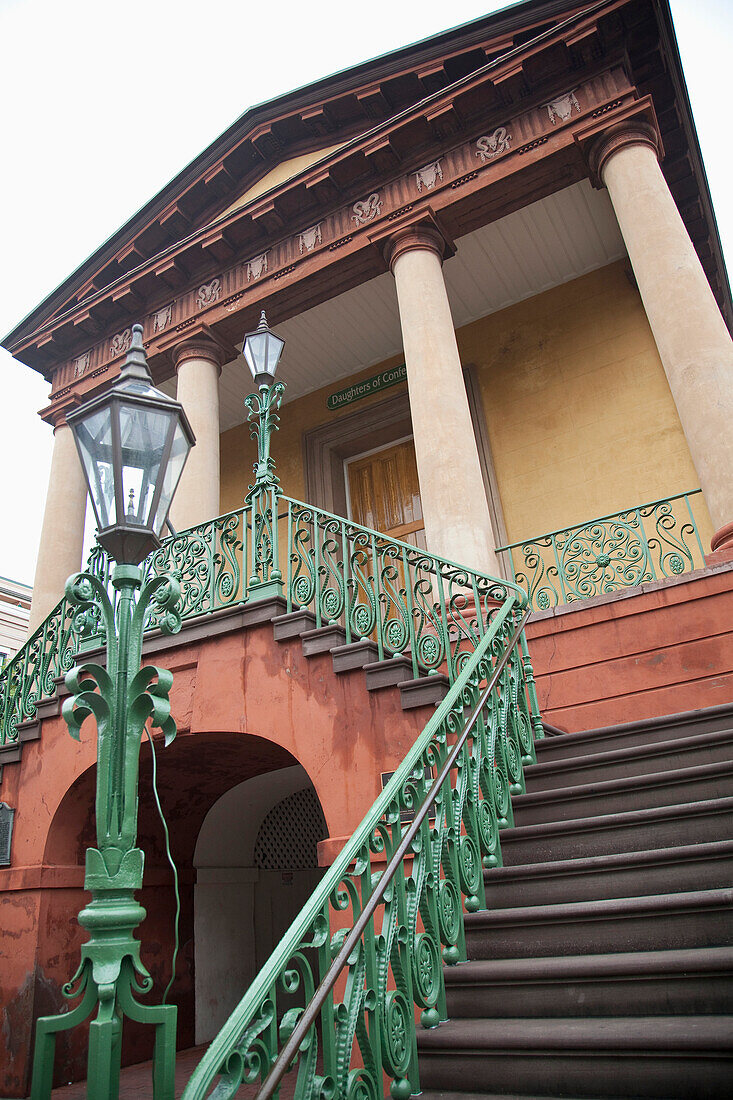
(385, 494)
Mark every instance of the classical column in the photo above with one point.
(457, 521)
(693, 342)
(62, 532)
(198, 363)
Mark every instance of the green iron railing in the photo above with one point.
(402, 598)
(622, 550)
(386, 931)
(336, 1003)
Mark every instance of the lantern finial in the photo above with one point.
(136, 363)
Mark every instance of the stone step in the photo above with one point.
(451, 1094)
(681, 1057)
(637, 983)
(695, 918)
(664, 788)
(635, 830)
(616, 875)
(634, 760)
(566, 746)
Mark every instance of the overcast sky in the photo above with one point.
(103, 103)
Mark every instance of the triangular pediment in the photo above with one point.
(281, 173)
(285, 164)
(283, 138)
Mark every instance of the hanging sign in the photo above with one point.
(377, 382)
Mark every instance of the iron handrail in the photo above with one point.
(313, 1009)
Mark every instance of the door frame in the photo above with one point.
(327, 448)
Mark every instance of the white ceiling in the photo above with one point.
(550, 242)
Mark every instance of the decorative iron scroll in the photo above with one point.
(390, 931)
(404, 599)
(623, 550)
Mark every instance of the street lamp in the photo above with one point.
(262, 350)
(133, 442)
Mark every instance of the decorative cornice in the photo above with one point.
(482, 164)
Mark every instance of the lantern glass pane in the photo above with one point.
(94, 439)
(143, 435)
(262, 351)
(178, 455)
(274, 350)
(255, 352)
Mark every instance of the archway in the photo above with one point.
(193, 775)
(256, 864)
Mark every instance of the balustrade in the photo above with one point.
(621, 550)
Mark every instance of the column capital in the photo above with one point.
(413, 231)
(55, 414)
(618, 138)
(198, 347)
(199, 342)
(412, 237)
(633, 124)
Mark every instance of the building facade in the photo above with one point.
(15, 605)
(495, 263)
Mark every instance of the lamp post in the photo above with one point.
(262, 350)
(133, 442)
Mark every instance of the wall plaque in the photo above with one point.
(6, 833)
(377, 382)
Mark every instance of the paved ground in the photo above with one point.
(136, 1082)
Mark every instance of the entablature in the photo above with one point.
(530, 155)
(497, 138)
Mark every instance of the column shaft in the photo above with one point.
(455, 509)
(197, 499)
(693, 342)
(62, 532)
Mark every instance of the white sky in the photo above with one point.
(102, 104)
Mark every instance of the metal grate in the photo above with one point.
(289, 835)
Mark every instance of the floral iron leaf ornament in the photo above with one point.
(122, 697)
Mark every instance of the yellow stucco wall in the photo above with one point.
(580, 416)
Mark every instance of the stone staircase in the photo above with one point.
(602, 966)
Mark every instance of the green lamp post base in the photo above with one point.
(109, 976)
(122, 697)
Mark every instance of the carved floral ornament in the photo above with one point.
(429, 174)
(493, 144)
(208, 293)
(562, 107)
(366, 210)
(120, 343)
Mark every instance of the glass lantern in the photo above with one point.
(133, 442)
(262, 350)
